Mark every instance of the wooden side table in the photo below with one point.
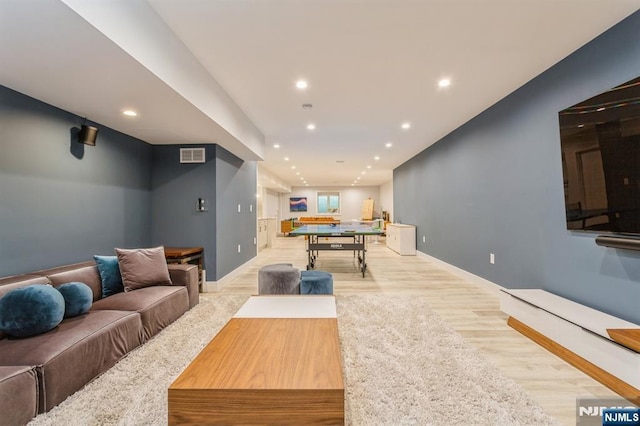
(192, 255)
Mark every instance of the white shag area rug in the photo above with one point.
(403, 365)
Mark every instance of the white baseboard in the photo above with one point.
(213, 286)
(490, 286)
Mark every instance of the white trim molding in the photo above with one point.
(213, 286)
(479, 281)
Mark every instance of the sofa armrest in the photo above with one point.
(186, 275)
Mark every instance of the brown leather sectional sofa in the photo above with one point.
(39, 372)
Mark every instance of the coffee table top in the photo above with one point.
(268, 353)
(288, 306)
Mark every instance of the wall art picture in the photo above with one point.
(297, 204)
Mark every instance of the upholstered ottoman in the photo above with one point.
(316, 282)
(279, 278)
(18, 395)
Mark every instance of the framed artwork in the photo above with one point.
(297, 204)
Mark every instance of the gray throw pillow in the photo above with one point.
(143, 267)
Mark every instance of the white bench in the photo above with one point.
(601, 345)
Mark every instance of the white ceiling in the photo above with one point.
(222, 71)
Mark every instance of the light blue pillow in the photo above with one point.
(110, 277)
(31, 310)
(78, 298)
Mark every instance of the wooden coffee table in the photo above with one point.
(261, 369)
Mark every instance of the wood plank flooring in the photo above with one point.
(472, 310)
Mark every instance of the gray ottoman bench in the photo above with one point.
(18, 395)
(279, 278)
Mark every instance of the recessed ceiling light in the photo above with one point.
(276, 146)
(130, 113)
(406, 125)
(368, 167)
(297, 173)
(352, 184)
(302, 179)
(358, 178)
(301, 84)
(311, 126)
(293, 167)
(388, 144)
(286, 158)
(376, 158)
(445, 82)
(364, 173)
(306, 184)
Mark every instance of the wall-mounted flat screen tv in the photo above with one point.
(600, 140)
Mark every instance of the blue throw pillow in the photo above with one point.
(109, 275)
(78, 298)
(31, 310)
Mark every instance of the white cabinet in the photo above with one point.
(401, 238)
(267, 232)
(272, 231)
(575, 333)
(263, 235)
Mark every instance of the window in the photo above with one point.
(328, 203)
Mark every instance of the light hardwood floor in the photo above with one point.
(472, 310)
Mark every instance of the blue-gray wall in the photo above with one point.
(176, 188)
(495, 185)
(61, 201)
(224, 181)
(236, 184)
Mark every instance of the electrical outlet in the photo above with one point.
(250, 207)
(255, 241)
(424, 239)
(239, 208)
(238, 248)
(492, 258)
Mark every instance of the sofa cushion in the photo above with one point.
(18, 394)
(77, 351)
(26, 281)
(143, 267)
(31, 310)
(110, 277)
(158, 306)
(85, 274)
(77, 298)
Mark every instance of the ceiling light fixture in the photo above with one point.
(302, 84)
(388, 144)
(376, 158)
(286, 158)
(311, 126)
(276, 146)
(445, 82)
(129, 113)
(293, 167)
(368, 167)
(406, 125)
